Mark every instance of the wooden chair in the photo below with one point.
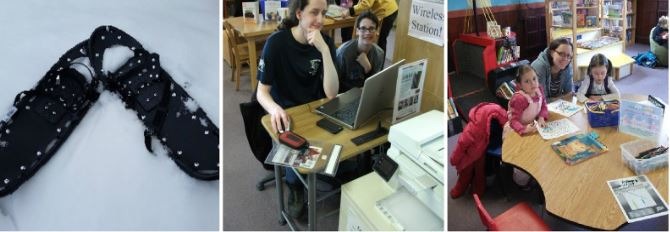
(238, 52)
(519, 217)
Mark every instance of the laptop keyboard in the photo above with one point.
(347, 113)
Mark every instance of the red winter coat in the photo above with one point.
(475, 137)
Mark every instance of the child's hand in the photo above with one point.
(541, 122)
(530, 128)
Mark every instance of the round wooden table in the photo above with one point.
(579, 193)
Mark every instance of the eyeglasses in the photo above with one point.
(564, 55)
(368, 29)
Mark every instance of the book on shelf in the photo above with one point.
(451, 109)
(591, 21)
(581, 19)
(614, 10)
(250, 11)
(629, 6)
(577, 148)
(637, 198)
(505, 90)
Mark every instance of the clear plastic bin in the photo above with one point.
(641, 166)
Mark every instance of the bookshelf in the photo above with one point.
(594, 26)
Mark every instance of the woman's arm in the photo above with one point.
(330, 82)
(277, 114)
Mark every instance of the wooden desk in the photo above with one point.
(579, 193)
(303, 122)
(253, 32)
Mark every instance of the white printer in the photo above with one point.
(417, 146)
(413, 197)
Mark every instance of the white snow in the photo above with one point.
(102, 177)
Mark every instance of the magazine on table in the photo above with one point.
(637, 198)
(578, 148)
(563, 107)
(557, 128)
(317, 157)
(250, 11)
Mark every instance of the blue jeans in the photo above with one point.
(291, 177)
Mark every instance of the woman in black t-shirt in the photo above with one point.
(296, 67)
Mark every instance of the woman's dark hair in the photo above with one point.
(367, 15)
(596, 61)
(554, 45)
(291, 20)
(523, 69)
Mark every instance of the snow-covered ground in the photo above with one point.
(103, 178)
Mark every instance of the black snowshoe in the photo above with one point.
(167, 111)
(42, 118)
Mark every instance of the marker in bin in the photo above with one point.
(652, 152)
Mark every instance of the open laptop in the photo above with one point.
(355, 107)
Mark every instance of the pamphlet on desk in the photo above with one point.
(637, 198)
(578, 148)
(272, 10)
(557, 128)
(641, 119)
(250, 11)
(564, 107)
(318, 157)
(408, 91)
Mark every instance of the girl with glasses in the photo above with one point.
(360, 58)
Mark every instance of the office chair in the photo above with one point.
(258, 138)
(519, 217)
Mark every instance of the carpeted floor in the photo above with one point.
(462, 214)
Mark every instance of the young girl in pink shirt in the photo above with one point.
(528, 105)
(526, 108)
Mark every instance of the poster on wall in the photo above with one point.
(426, 21)
(408, 90)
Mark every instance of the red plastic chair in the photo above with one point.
(519, 217)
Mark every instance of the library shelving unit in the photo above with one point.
(593, 26)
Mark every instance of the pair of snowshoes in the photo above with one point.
(42, 118)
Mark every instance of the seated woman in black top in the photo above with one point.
(297, 67)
